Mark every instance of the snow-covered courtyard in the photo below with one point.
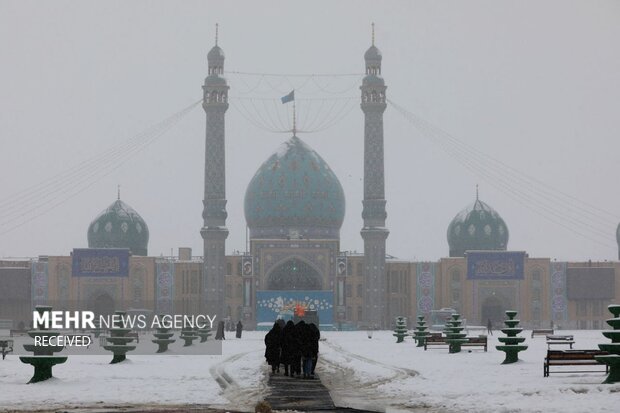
(376, 374)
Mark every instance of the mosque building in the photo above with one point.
(294, 208)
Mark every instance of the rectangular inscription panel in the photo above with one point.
(100, 262)
(495, 265)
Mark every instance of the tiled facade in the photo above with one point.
(537, 299)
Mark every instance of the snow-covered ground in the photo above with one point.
(375, 373)
(403, 377)
(145, 380)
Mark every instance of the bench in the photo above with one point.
(14, 333)
(435, 339)
(438, 340)
(573, 358)
(551, 340)
(542, 332)
(476, 342)
(6, 347)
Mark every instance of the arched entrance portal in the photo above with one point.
(294, 274)
(493, 308)
(102, 304)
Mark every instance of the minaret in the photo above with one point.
(214, 231)
(374, 231)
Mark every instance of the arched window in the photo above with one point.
(294, 274)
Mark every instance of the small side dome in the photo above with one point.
(119, 226)
(477, 227)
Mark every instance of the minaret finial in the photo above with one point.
(118, 192)
(217, 27)
(476, 192)
(373, 33)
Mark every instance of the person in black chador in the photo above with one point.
(273, 343)
(239, 329)
(291, 354)
(281, 323)
(219, 335)
(316, 336)
(306, 338)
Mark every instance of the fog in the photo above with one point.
(533, 84)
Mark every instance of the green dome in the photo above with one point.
(119, 226)
(477, 227)
(294, 193)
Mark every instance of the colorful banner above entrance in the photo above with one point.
(100, 262)
(495, 265)
(271, 305)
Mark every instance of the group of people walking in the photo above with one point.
(221, 328)
(296, 346)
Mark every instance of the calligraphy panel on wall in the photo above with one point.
(559, 302)
(40, 283)
(495, 265)
(341, 265)
(100, 262)
(247, 265)
(165, 287)
(425, 288)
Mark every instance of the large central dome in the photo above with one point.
(294, 194)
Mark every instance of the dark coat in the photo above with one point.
(239, 329)
(273, 342)
(306, 338)
(290, 344)
(219, 335)
(316, 336)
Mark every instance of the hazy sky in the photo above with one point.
(535, 84)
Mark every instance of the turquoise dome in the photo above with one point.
(119, 226)
(294, 194)
(477, 227)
